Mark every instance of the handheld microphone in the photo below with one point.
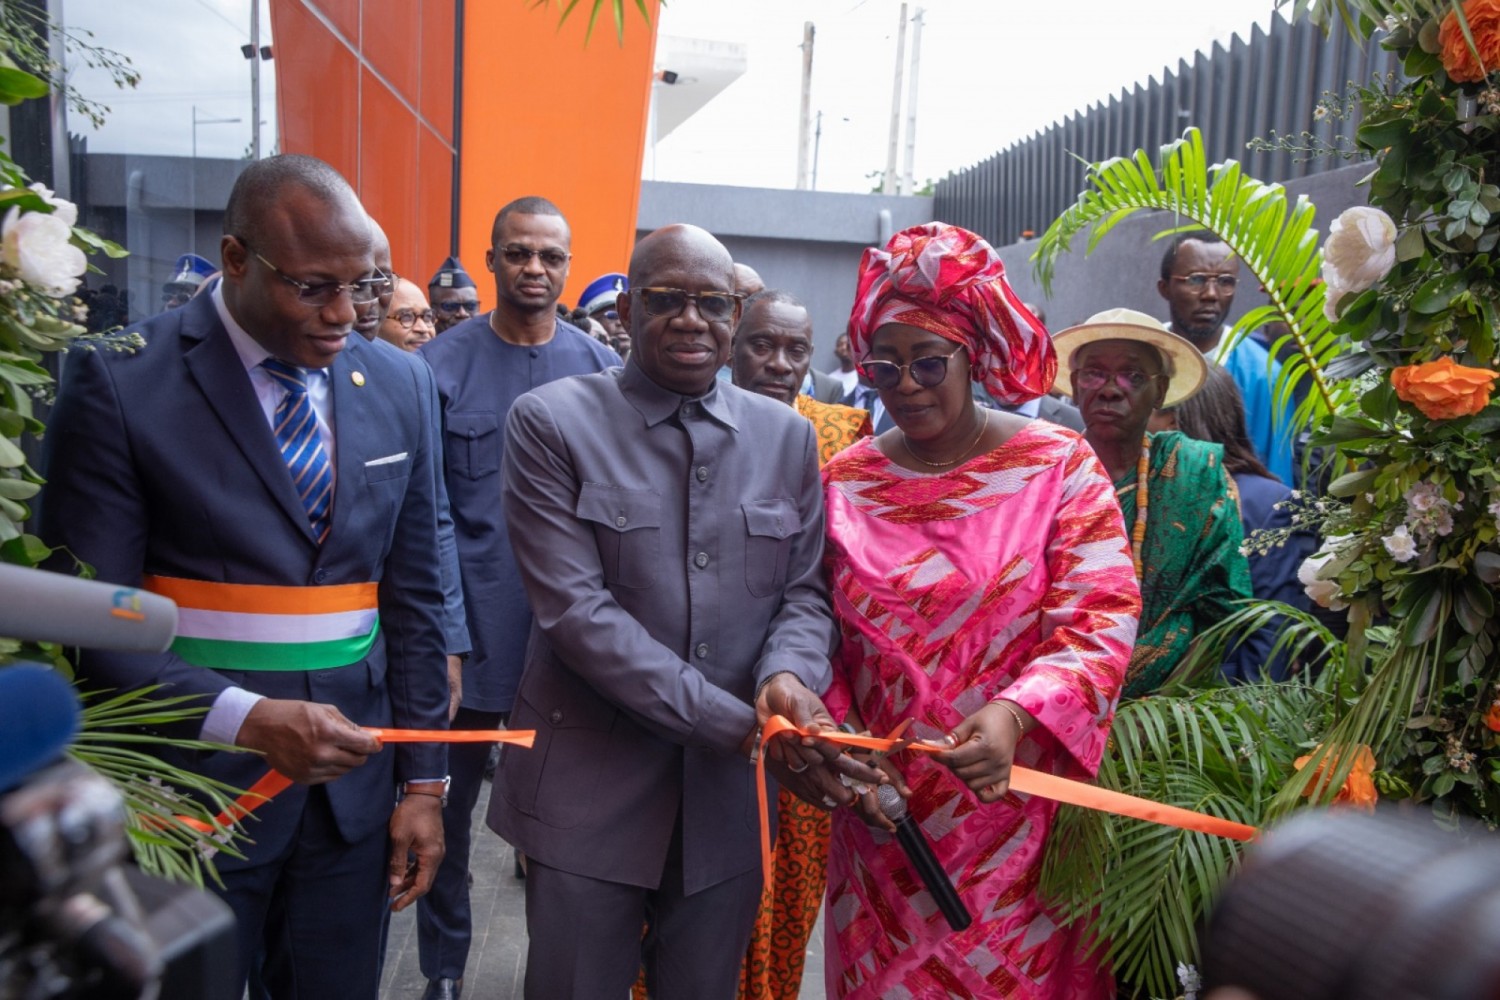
(919, 853)
(38, 719)
(39, 606)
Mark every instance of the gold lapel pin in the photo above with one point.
(358, 378)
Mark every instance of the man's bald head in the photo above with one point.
(677, 346)
(259, 193)
(679, 244)
(747, 281)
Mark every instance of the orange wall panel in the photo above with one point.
(317, 88)
(388, 165)
(390, 44)
(433, 202)
(545, 115)
(435, 38)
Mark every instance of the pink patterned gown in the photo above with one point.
(1007, 577)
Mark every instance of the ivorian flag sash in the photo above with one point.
(236, 626)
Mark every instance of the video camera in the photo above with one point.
(77, 920)
(1340, 905)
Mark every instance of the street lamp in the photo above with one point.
(193, 225)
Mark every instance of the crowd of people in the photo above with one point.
(642, 527)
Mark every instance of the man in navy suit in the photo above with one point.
(274, 475)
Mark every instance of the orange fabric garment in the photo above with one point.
(838, 426)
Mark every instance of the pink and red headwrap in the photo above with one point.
(951, 282)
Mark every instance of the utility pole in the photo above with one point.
(888, 184)
(907, 181)
(255, 79)
(817, 144)
(803, 118)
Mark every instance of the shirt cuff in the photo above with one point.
(223, 721)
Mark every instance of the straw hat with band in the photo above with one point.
(1185, 368)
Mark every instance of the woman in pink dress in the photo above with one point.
(982, 579)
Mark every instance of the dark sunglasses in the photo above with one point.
(470, 306)
(926, 372)
(519, 256)
(716, 307)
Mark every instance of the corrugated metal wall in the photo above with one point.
(1272, 82)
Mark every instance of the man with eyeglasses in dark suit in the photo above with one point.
(482, 365)
(1199, 276)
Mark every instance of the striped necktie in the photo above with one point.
(296, 428)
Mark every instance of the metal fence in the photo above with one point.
(1272, 82)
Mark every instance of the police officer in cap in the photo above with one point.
(189, 272)
(598, 300)
(453, 295)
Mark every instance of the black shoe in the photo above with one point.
(444, 989)
(520, 865)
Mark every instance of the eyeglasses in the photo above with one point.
(1127, 381)
(408, 317)
(716, 307)
(469, 306)
(926, 372)
(320, 293)
(1199, 281)
(605, 314)
(519, 256)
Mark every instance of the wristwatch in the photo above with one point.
(441, 796)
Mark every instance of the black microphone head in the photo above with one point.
(891, 803)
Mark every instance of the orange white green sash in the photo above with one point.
(235, 626)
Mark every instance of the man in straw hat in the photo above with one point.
(1179, 503)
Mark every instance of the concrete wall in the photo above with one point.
(809, 243)
(806, 242)
(1122, 271)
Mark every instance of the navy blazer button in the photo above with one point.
(701, 559)
(556, 717)
(702, 473)
(702, 650)
(320, 576)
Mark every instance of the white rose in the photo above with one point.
(1359, 251)
(1323, 593)
(61, 207)
(36, 246)
(1400, 544)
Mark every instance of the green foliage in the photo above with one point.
(1222, 751)
(38, 318)
(1273, 238)
(158, 797)
(616, 8)
(24, 29)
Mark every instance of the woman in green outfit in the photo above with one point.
(1179, 503)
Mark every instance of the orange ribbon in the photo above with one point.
(1022, 779)
(273, 782)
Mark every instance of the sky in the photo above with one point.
(188, 55)
(991, 72)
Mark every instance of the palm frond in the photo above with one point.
(1274, 239)
(1145, 888)
(162, 802)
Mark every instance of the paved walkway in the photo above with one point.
(497, 959)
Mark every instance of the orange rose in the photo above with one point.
(1443, 390)
(1492, 717)
(1359, 787)
(1457, 58)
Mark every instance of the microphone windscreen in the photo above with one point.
(39, 716)
(891, 803)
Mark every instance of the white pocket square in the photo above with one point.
(387, 460)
